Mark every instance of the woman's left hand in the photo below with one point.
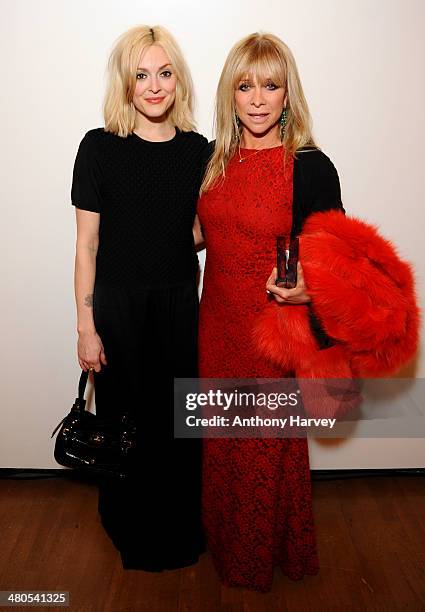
(297, 295)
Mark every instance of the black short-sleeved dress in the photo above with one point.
(145, 309)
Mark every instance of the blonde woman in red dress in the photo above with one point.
(264, 177)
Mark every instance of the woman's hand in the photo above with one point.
(197, 232)
(90, 351)
(297, 295)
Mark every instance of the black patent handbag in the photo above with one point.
(97, 445)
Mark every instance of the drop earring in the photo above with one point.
(238, 121)
(282, 122)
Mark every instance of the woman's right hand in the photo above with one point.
(90, 351)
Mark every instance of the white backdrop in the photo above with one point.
(362, 67)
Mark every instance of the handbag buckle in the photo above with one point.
(97, 438)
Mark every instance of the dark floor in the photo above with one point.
(371, 536)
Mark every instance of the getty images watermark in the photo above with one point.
(243, 399)
(289, 407)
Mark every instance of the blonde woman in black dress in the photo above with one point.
(135, 186)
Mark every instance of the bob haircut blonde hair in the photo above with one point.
(263, 57)
(118, 109)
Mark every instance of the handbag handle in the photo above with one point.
(82, 384)
(80, 402)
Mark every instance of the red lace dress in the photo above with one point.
(257, 507)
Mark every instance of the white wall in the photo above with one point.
(362, 66)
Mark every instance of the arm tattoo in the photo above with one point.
(88, 300)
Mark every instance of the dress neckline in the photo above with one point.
(157, 143)
(265, 149)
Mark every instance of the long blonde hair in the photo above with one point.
(118, 109)
(262, 56)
